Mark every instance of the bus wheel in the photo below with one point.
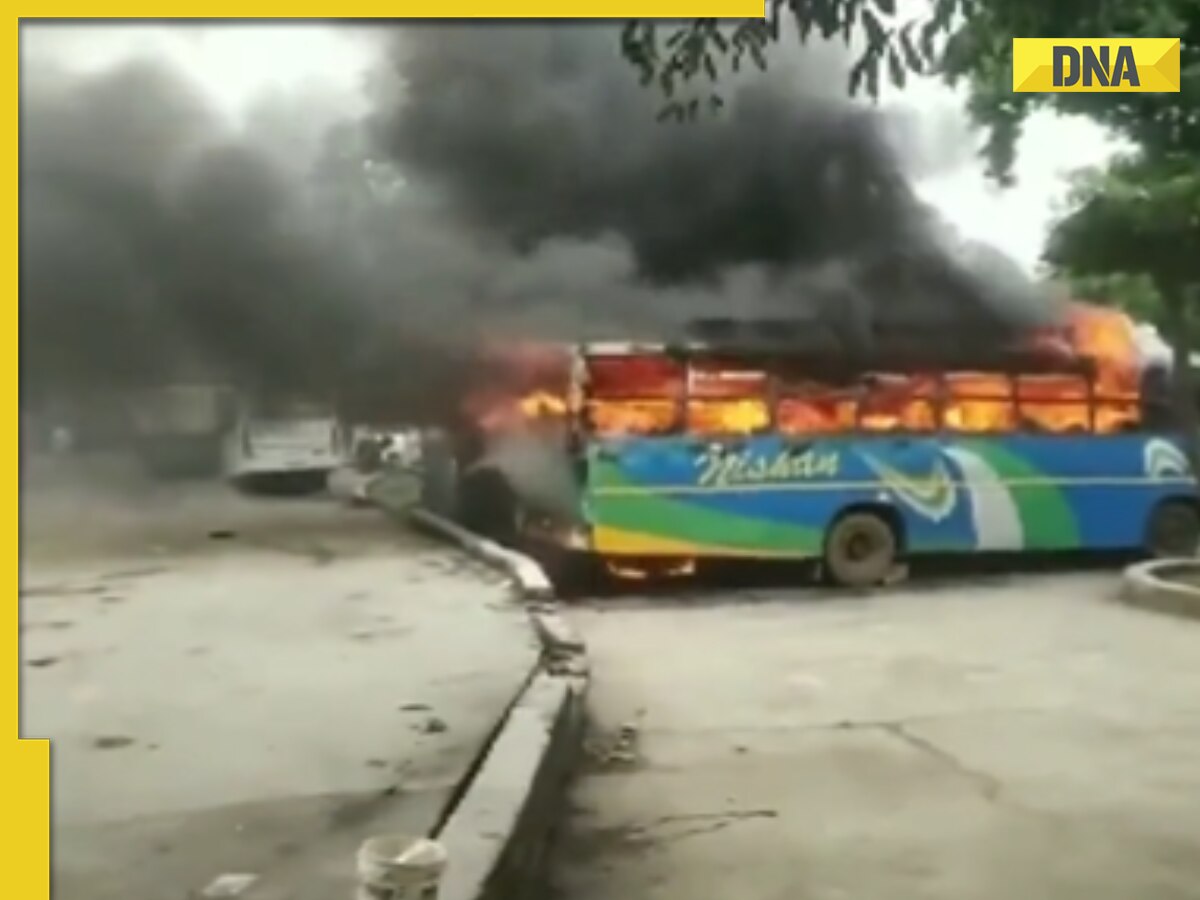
(1174, 529)
(860, 550)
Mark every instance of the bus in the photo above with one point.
(647, 455)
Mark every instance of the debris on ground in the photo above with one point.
(112, 742)
(434, 725)
(221, 534)
(41, 662)
(415, 707)
(621, 749)
(231, 884)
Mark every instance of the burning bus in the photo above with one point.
(643, 455)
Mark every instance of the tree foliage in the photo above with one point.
(1141, 213)
(961, 41)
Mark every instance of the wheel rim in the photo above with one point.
(860, 546)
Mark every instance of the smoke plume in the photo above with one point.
(508, 180)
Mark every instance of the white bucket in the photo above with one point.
(400, 867)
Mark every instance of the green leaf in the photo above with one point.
(887, 7)
(896, 68)
(943, 13)
(929, 31)
(759, 57)
(912, 58)
(857, 73)
(677, 37)
(876, 33)
(873, 80)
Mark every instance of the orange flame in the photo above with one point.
(643, 394)
(676, 568)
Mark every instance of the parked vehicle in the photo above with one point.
(284, 446)
(178, 428)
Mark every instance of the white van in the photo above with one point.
(289, 446)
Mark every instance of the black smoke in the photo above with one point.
(156, 242)
(793, 201)
(508, 180)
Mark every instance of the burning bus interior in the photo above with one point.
(1085, 376)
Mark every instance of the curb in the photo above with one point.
(497, 836)
(497, 833)
(531, 581)
(1144, 585)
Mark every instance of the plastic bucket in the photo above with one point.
(400, 867)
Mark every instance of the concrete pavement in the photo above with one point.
(257, 701)
(1022, 737)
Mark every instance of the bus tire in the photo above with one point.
(860, 550)
(1173, 529)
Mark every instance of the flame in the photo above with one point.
(643, 394)
(542, 405)
(675, 568)
(627, 417)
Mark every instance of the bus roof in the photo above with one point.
(893, 359)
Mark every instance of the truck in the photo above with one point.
(177, 429)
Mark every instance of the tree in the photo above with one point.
(1141, 214)
(962, 41)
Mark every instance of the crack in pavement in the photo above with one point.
(650, 833)
(989, 786)
(833, 724)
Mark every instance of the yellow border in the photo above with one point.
(26, 763)
(432, 9)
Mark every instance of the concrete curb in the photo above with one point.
(498, 832)
(497, 836)
(1148, 585)
(531, 581)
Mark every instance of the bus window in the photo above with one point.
(632, 394)
(634, 377)
(1116, 415)
(716, 417)
(814, 408)
(899, 403)
(617, 418)
(724, 398)
(1054, 404)
(979, 403)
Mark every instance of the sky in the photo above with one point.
(237, 64)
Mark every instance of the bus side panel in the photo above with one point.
(1090, 492)
(770, 496)
(764, 496)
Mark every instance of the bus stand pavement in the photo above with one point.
(239, 696)
(973, 739)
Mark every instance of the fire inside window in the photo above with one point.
(652, 393)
